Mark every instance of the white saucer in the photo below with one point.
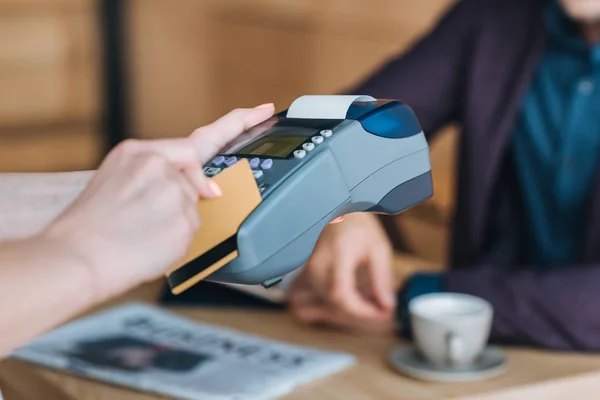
(408, 361)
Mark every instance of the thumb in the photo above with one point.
(345, 294)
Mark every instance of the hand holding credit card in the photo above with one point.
(215, 244)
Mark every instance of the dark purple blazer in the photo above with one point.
(473, 69)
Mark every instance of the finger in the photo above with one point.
(381, 278)
(190, 199)
(188, 188)
(317, 271)
(191, 214)
(184, 155)
(189, 208)
(205, 187)
(345, 293)
(302, 290)
(210, 139)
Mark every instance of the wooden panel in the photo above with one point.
(83, 33)
(47, 95)
(344, 61)
(37, 37)
(262, 51)
(193, 62)
(62, 149)
(289, 14)
(356, 37)
(167, 74)
(252, 64)
(50, 85)
(406, 16)
(18, 5)
(49, 68)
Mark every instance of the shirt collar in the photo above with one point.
(564, 32)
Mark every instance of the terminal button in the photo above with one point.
(257, 173)
(317, 139)
(218, 160)
(254, 163)
(230, 161)
(299, 153)
(267, 164)
(308, 146)
(326, 133)
(211, 171)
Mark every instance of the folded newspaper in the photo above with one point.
(150, 349)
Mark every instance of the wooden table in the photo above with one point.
(370, 378)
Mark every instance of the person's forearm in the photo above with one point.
(42, 284)
(548, 308)
(554, 309)
(29, 201)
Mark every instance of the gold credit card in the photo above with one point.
(215, 243)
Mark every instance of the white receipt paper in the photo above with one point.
(323, 106)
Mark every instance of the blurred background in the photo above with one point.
(78, 76)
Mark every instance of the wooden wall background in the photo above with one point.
(193, 60)
(190, 61)
(49, 85)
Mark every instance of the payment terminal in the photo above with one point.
(322, 158)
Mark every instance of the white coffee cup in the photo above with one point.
(450, 329)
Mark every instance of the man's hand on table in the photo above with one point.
(348, 282)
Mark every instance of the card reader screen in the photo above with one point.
(270, 139)
(273, 146)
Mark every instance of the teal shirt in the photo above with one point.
(556, 143)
